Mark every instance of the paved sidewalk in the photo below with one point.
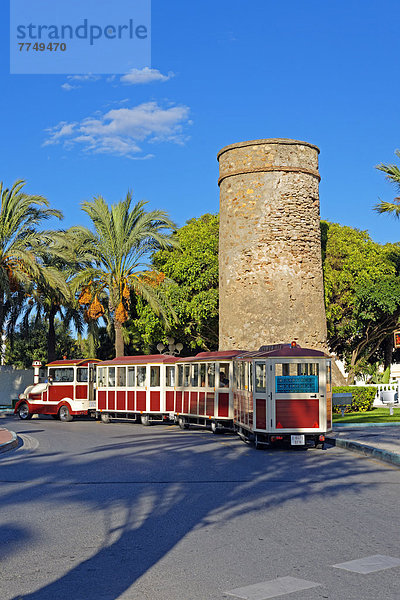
(8, 440)
(377, 441)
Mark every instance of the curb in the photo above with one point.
(383, 455)
(12, 443)
(390, 424)
(6, 411)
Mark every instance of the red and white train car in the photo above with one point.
(204, 390)
(283, 393)
(68, 391)
(136, 387)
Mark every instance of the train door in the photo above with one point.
(91, 386)
(155, 389)
(262, 404)
(298, 396)
(328, 389)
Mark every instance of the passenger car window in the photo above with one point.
(260, 377)
(131, 376)
(180, 375)
(141, 376)
(251, 377)
(111, 376)
(62, 375)
(102, 380)
(195, 375)
(170, 376)
(82, 374)
(187, 376)
(202, 375)
(296, 378)
(121, 376)
(211, 374)
(154, 376)
(223, 375)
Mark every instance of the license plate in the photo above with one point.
(297, 440)
(92, 404)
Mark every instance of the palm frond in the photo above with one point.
(392, 208)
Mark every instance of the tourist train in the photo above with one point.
(281, 393)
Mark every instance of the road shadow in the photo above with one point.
(166, 483)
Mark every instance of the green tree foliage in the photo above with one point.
(193, 292)
(97, 344)
(29, 343)
(362, 293)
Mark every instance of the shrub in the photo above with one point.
(363, 398)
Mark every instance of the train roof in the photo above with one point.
(272, 351)
(283, 351)
(140, 359)
(73, 362)
(218, 355)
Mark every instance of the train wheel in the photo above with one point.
(65, 415)
(23, 412)
(145, 420)
(214, 427)
(105, 418)
(182, 423)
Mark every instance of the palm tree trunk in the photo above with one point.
(119, 340)
(51, 336)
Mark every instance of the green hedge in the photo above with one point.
(363, 398)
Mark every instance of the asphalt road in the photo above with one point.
(99, 512)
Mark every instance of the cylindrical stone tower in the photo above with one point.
(271, 284)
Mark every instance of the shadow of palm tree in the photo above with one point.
(166, 483)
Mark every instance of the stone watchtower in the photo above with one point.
(271, 285)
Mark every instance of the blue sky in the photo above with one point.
(222, 72)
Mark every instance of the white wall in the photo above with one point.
(395, 371)
(13, 382)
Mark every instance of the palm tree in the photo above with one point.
(393, 175)
(122, 240)
(52, 297)
(21, 244)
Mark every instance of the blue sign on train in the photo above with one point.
(302, 384)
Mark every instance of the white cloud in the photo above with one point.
(122, 131)
(134, 77)
(62, 130)
(146, 75)
(84, 77)
(69, 86)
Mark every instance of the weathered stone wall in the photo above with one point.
(271, 285)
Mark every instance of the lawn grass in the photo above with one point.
(376, 415)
